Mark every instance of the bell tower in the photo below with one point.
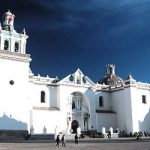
(11, 41)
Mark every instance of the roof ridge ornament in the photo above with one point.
(130, 77)
(24, 31)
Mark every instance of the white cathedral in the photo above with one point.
(46, 105)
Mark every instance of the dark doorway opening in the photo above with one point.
(74, 126)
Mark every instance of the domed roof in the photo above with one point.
(111, 78)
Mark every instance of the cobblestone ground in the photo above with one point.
(115, 145)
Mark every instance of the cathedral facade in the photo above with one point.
(44, 105)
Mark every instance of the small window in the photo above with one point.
(42, 97)
(78, 81)
(73, 105)
(6, 45)
(111, 70)
(71, 78)
(16, 46)
(144, 99)
(101, 101)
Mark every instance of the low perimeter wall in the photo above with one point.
(113, 135)
(13, 134)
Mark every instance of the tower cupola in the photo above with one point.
(8, 23)
(110, 69)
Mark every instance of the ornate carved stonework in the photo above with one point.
(15, 56)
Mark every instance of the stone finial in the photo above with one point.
(24, 31)
(103, 130)
(111, 130)
(130, 77)
(44, 130)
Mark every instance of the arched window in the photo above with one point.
(6, 45)
(16, 46)
(144, 99)
(83, 79)
(101, 101)
(76, 101)
(42, 97)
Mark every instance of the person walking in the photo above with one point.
(76, 139)
(109, 134)
(63, 141)
(57, 141)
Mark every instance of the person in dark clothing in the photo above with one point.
(63, 141)
(109, 134)
(76, 139)
(138, 137)
(57, 141)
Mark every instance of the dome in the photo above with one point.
(111, 78)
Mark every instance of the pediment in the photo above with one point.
(77, 78)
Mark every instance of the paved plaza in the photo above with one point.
(83, 145)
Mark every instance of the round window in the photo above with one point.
(11, 82)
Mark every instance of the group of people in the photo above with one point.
(76, 138)
(63, 140)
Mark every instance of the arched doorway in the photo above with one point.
(74, 126)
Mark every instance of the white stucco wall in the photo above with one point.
(53, 96)
(128, 110)
(106, 101)
(140, 111)
(35, 95)
(50, 119)
(121, 105)
(14, 98)
(106, 120)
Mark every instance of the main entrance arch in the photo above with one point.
(79, 112)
